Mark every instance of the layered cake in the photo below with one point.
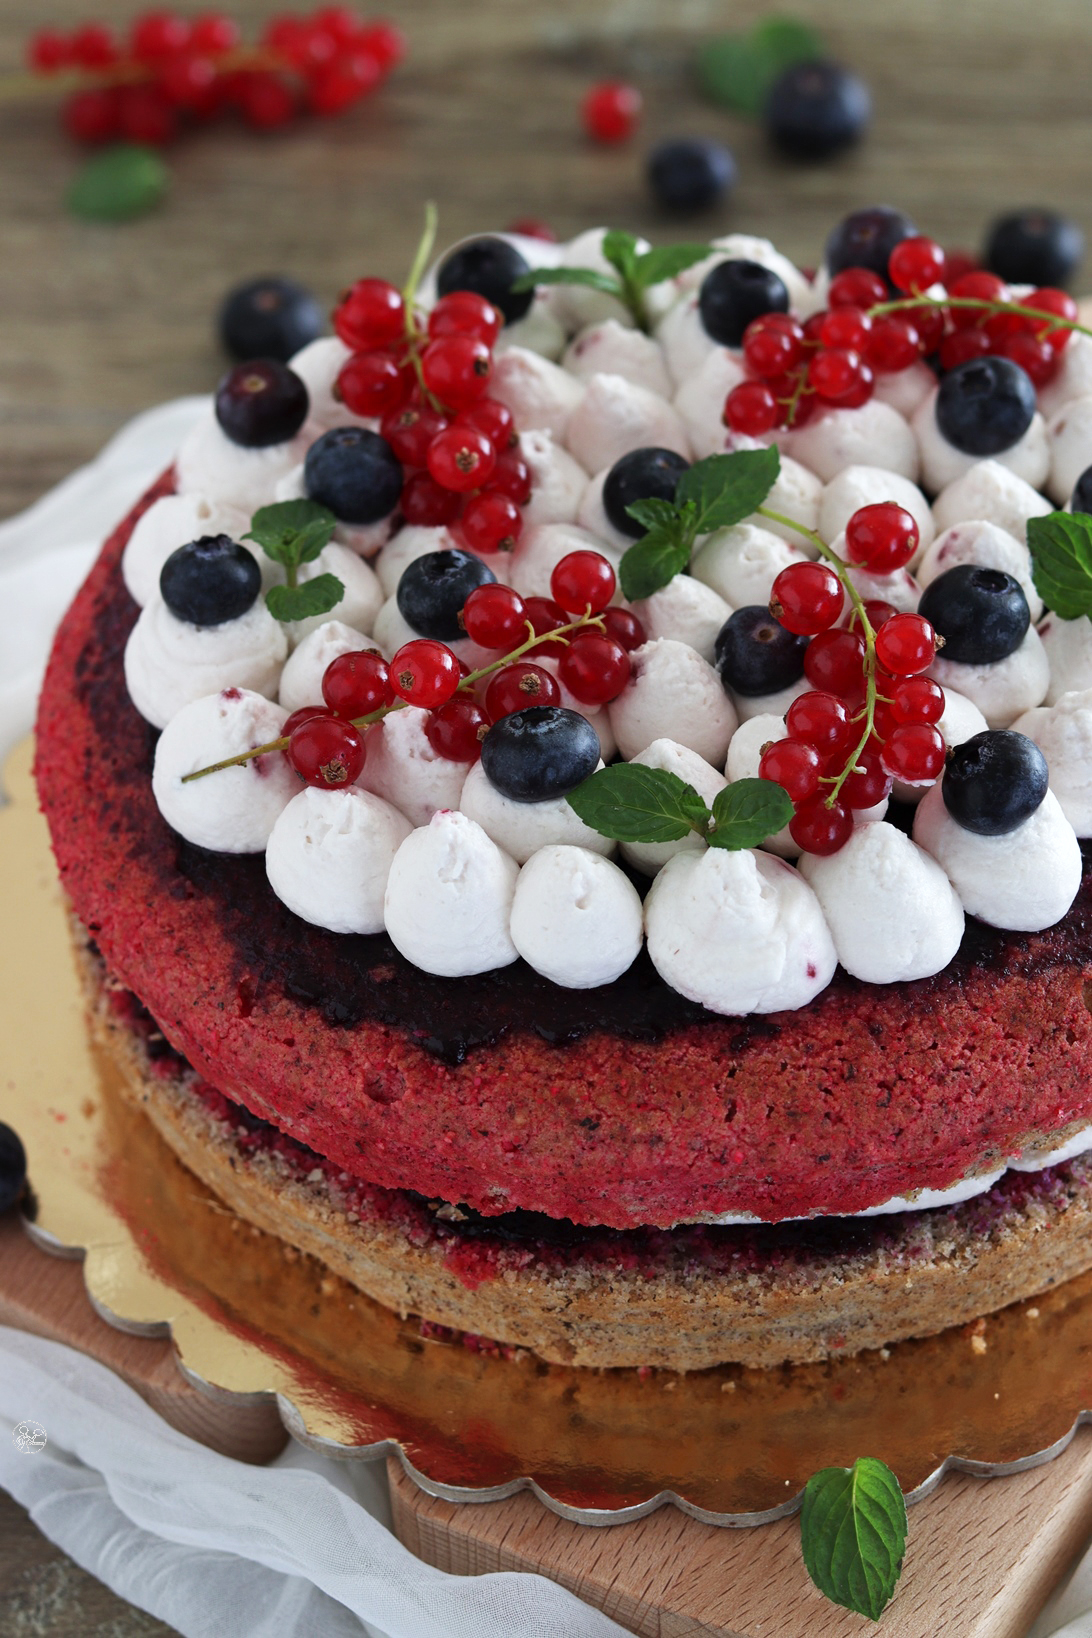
(572, 795)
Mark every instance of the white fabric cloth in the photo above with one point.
(302, 1547)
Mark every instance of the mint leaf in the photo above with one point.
(747, 812)
(292, 532)
(569, 275)
(1061, 562)
(317, 596)
(120, 182)
(726, 488)
(738, 70)
(652, 563)
(657, 265)
(655, 513)
(620, 250)
(632, 803)
(853, 1533)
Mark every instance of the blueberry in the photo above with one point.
(433, 589)
(539, 754)
(1082, 492)
(816, 109)
(733, 294)
(1034, 247)
(982, 614)
(261, 402)
(866, 238)
(13, 1167)
(269, 318)
(994, 781)
(355, 473)
(210, 581)
(643, 474)
(690, 173)
(985, 405)
(489, 267)
(755, 655)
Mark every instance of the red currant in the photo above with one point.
(493, 418)
(834, 661)
(337, 85)
(917, 699)
(867, 783)
(266, 101)
(187, 80)
(48, 50)
(461, 458)
(457, 729)
(960, 263)
(610, 111)
(1034, 354)
(583, 580)
(493, 617)
(410, 429)
(961, 346)
(326, 752)
(339, 22)
(92, 116)
(214, 33)
(1061, 304)
(158, 34)
(845, 327)
(544, 616)
(835, 374)
(371, 313)
(893, 344)
(385, 42)
(792, 765)
(517, 686)
(491, 522)
(906, 645)
(427, 503)
(304, 714)
(806, 598)
(882, 537)
(773, 344)
(752, 409)
(915, 754)
(915, 264)
(464, 313)
(878, 613)
(857, 287)
(594, 668)
(818, 719)
(512, 476)
(372, 384)
(94, 47)
(145, 115)
(457, 370)
(980, 287)
(818, 829)
(356, 684)
(425, 673)
(624, 627)
(930, 323)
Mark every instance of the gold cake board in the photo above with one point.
(284, 1341)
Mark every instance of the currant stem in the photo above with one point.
(1054, 321)
(867, 631)
(415, 336)
(21, 87)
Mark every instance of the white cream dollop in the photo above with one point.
(173, 521)
(891, 910)
(1068, 645)
(232, 811)
(301, 679)
(671, 757)
(687, 609)
(615, 417)
(1063, 732)
(859, 486)
(329, 856)
(738, 932)
(538, 393)
(449, 899)
(1070, 433)
(874, 435)
(360, 602)
(611, 348)
(1005, 689)
(742, 563)
(521, 828)
(672, 694)
(576, 919)
(699, 401)
(209, 464)
(405, 771)
(169, 662)
(558, 481)
(989, 493)
(1023, 881)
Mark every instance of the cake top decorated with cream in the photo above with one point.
(585, 595)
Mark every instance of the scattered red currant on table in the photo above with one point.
(611, 111)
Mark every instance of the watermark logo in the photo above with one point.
(28, 1437)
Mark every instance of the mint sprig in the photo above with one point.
(1061, 562)
(293, 533)
(737, 70)
(631, 803)
(120, 182)
(636, 271)
(713, 494)
(853, 1534)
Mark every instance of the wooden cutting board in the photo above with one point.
(984, 1554)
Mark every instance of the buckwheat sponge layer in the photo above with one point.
(622, 1106)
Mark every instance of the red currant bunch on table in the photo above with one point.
(169, 71)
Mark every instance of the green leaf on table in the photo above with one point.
(667, 262)
(1061, 562)
(737, 70)
(727, 488)
(653, 562)
(747, 812)
(317, 596)
(853, 1534)
(632, 803)
(118, 183)
(569, 275)
(292, 532)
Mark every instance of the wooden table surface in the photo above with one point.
(982, 105)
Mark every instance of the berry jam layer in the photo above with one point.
(622, 1106)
